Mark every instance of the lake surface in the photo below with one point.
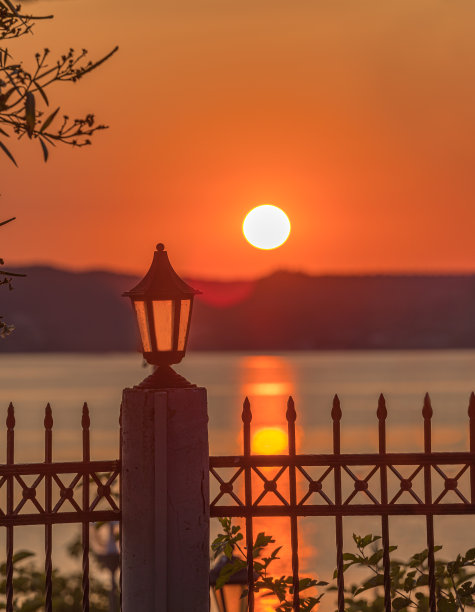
(67, 380)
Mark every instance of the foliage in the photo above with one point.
(29, 586)
(6, 279)
(409, 579)
(228, 543)
(24, 100)
(24, 93)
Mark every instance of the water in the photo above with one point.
(66, 381)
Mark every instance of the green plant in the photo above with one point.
(455, 590)
(228, 543)
(409, 580)
(29, 587)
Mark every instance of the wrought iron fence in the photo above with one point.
(60, 492)
(326, 495)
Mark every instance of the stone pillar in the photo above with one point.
(165, 500)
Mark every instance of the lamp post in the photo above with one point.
(164, 458)
(163, 304)
(229, 597)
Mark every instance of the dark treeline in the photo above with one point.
(57, 310)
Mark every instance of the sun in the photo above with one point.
(266, 227)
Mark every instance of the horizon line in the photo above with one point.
(244, 279)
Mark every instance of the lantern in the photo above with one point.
(163, 304)
(229, 598)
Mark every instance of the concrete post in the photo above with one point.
(165, 500)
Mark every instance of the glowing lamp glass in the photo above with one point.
(229, 598)
(163, 325)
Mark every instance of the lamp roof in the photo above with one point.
(161, 281)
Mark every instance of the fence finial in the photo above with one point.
(246, 411)
(85, 420)
(336, 409)
(427, 409)
(10, 417)
(381, 412)
(291, 415)
(48, 421)
(471, 406)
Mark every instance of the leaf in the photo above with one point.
(11, 7)
(401, 602)
(262, 540)
(423, 580)
(43, 95)
(409, 583)
(30, 113)
(376, 557)
(22, 554)
(373, 582)
(7, 152)
(7, 221)
(307, 583)
(444, 605)
(46, 124)
(228, 570)
(45, 150)
(4, 98)
(419, 558)
(345, 567)
(366, 540)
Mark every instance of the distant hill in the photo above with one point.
(58, 310)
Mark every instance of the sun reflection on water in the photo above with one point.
(267, 381)
(269, 441)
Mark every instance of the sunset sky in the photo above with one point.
(356, 117)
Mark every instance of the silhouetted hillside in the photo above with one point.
(57, 310)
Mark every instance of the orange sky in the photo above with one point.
(357, 117)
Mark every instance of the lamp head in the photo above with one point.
(163, 305)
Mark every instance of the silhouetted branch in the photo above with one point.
(23, 93)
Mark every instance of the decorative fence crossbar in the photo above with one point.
(329, 496)
(60, 492)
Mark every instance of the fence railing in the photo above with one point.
(60, 492)
(327, 495)
(82, 492)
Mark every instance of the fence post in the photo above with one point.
(165, 500)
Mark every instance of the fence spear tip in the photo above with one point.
(471, 406)
(291, 414)
(336, 408)
(48, 421)
(246, 411)
(85, 420)
(10, 416)
(381, 412)
(427, 408)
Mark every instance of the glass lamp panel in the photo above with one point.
(184, 317)
(163, 321)
(143, 325)
(231, 594)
